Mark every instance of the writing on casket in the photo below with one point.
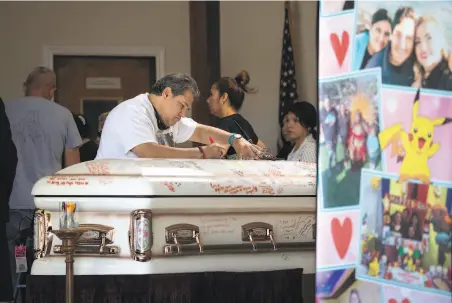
(185, 164)
(171, 185)
(98, 168)
(299, 228)
(233, 189)
(59, 180)
(274, 172)
(214, 226)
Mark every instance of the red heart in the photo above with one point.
(342, 235)
(395, 301)
(340, 47)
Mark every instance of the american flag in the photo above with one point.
(288, 82)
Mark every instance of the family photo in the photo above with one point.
(411, 43)
(349, 123)
(405, 233)
(340, 285)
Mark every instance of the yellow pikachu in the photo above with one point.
(418, 144)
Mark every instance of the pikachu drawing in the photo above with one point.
(415, 147)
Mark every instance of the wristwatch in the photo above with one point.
(234, 137)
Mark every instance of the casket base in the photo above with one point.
(219, 287)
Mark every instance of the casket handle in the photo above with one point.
(183, 234)
(42, 237)
(258, 232)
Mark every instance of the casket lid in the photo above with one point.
(180, 177)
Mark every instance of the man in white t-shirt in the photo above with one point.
(132, 127)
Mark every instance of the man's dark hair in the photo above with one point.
(401, 13)
(179, 84)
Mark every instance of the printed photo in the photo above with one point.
(338, 244)
(411, 42)
(405, 233)
(393, 294)
(424, 117)
(340, 286)
(349, 127)
(336, 37)
(329, 7)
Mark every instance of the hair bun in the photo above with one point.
(242, 79)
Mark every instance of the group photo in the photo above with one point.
(349, 123)
(411, 43)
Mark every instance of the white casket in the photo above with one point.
(151, 216)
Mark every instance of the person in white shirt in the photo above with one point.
(132, 128)
(300, 128)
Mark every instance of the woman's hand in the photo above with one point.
(245, 149)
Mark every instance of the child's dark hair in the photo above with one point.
(235, 88)
(306, 114)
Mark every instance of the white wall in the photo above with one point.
(251, 39)
(25, 27)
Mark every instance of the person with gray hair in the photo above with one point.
(42, 131)
(132, 128)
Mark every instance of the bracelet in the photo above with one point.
(203, 155)
(231, 139)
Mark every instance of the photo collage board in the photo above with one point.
(384, 222)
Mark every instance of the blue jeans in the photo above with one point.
(19, 219)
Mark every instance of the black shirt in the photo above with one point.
(238, 125)
(439, 78)
(88, 151)
(344, 124)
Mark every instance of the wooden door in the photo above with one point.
(91, 85)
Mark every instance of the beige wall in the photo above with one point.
(25, 27)
(251, 39)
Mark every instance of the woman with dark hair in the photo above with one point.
(372, 40)
(354, 296)
(88, 149)
(300, 127)
(414, 228)
(225, 101)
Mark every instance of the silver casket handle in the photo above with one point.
(178, 235)
(258, 232)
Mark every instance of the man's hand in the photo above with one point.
(215, 151)
(245, 149)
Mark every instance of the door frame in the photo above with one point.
(158, 52)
